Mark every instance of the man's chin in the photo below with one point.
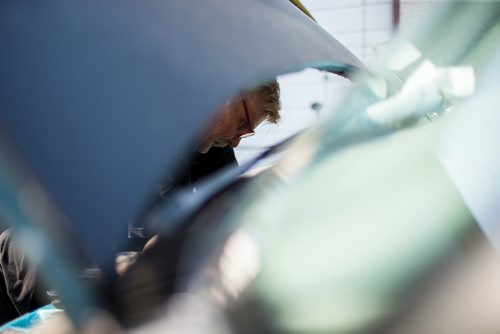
(206, 148)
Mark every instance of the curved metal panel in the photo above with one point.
(100, 96)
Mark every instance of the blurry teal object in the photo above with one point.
(361, 215)
(25, 322)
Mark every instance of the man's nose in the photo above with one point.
(235, 141)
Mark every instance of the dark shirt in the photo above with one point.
(197, 166)
(203, 165)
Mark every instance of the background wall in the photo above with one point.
(409, 10)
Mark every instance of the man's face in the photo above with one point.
(230, 122)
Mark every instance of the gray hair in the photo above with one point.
(269, 94)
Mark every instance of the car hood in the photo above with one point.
(97, 98)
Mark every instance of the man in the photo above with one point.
(237, 119)
(154, 276)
